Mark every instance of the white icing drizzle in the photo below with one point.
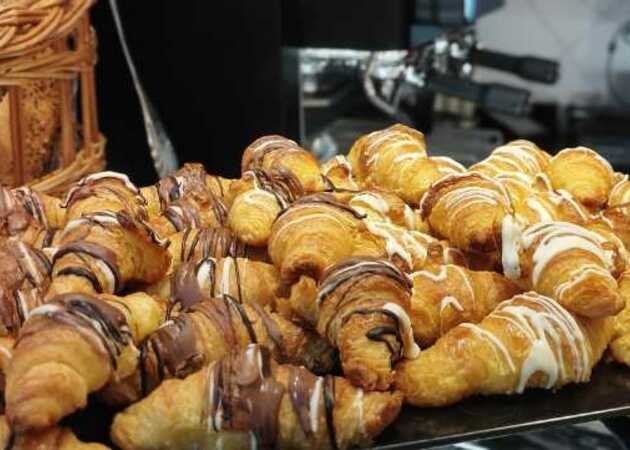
(358, 406)
(410, 348)
(101, 217)
(437, 277)
(510, 247)
(109, 174)
(107, 272)
(205, 273)
(566, 196)
(313, 404)
(398, 241)
(544, 215)
(621, 185)
(411, 220)
(226, 275)
(558, 237)
(408, 156)
(267, 143)
(250, 196)
(453, 166)
(496, 344)
(545, 329)
(578, 276)
(450, 301)
(253, 441)
(307, 217)
(373, 200)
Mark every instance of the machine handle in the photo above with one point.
(527, 67)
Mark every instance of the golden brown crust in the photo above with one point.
(512, 349)
(281, 413)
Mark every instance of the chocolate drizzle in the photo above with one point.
(279, 182)
(356, 268)
(185, 289)
(103, 321)
(301, 384)
(212, 242)
(254, 155)
(325, 198)
(244, 396)
(95, 251)
(32, 203)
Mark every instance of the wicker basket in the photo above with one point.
(52, 40)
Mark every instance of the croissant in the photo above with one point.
(467, 210)
(103, 251)
(530, 341)
(395, 159)
(619, 196)
(384, 207)
(620, 344)
(259, 197)
(23, 210)
(6, 353)
(194, 244)
(566, 262)
(245, 280)
(50, 439)
(23, 281)
(445, 296)
(70, 347)
(247, 400)
(208, 331)
(337, 173)
(191, 177)
(315, 232)
(583, 173)
(521, 156)
(281, 154)
(362, 309)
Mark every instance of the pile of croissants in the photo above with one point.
(300, 306)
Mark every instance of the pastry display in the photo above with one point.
(303, 304)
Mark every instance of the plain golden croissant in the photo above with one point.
(395, 159)
(583, 173)
(337, 173)
(24, 279)
(206, 332)
(566, 262)
(276, 153)
(55, 438)
(467, 210)
(246, 400)
(70, 347)
(315, 232)
(445, 296)
(530, 341)
(259, 197)
(245, 280)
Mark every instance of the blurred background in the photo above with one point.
(471, 74)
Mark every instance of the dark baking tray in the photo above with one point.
(607, 395)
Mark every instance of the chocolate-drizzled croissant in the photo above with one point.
(206, 332)
(259, 197)
(24, 279)
(70, 347)
(276, 153)
(194, 244)
(24, 212)
(245, 280)
(362, 309)
(247, 400)
(103, 251)
(312, 234)
(191, 177)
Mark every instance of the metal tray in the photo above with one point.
(606, 395)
